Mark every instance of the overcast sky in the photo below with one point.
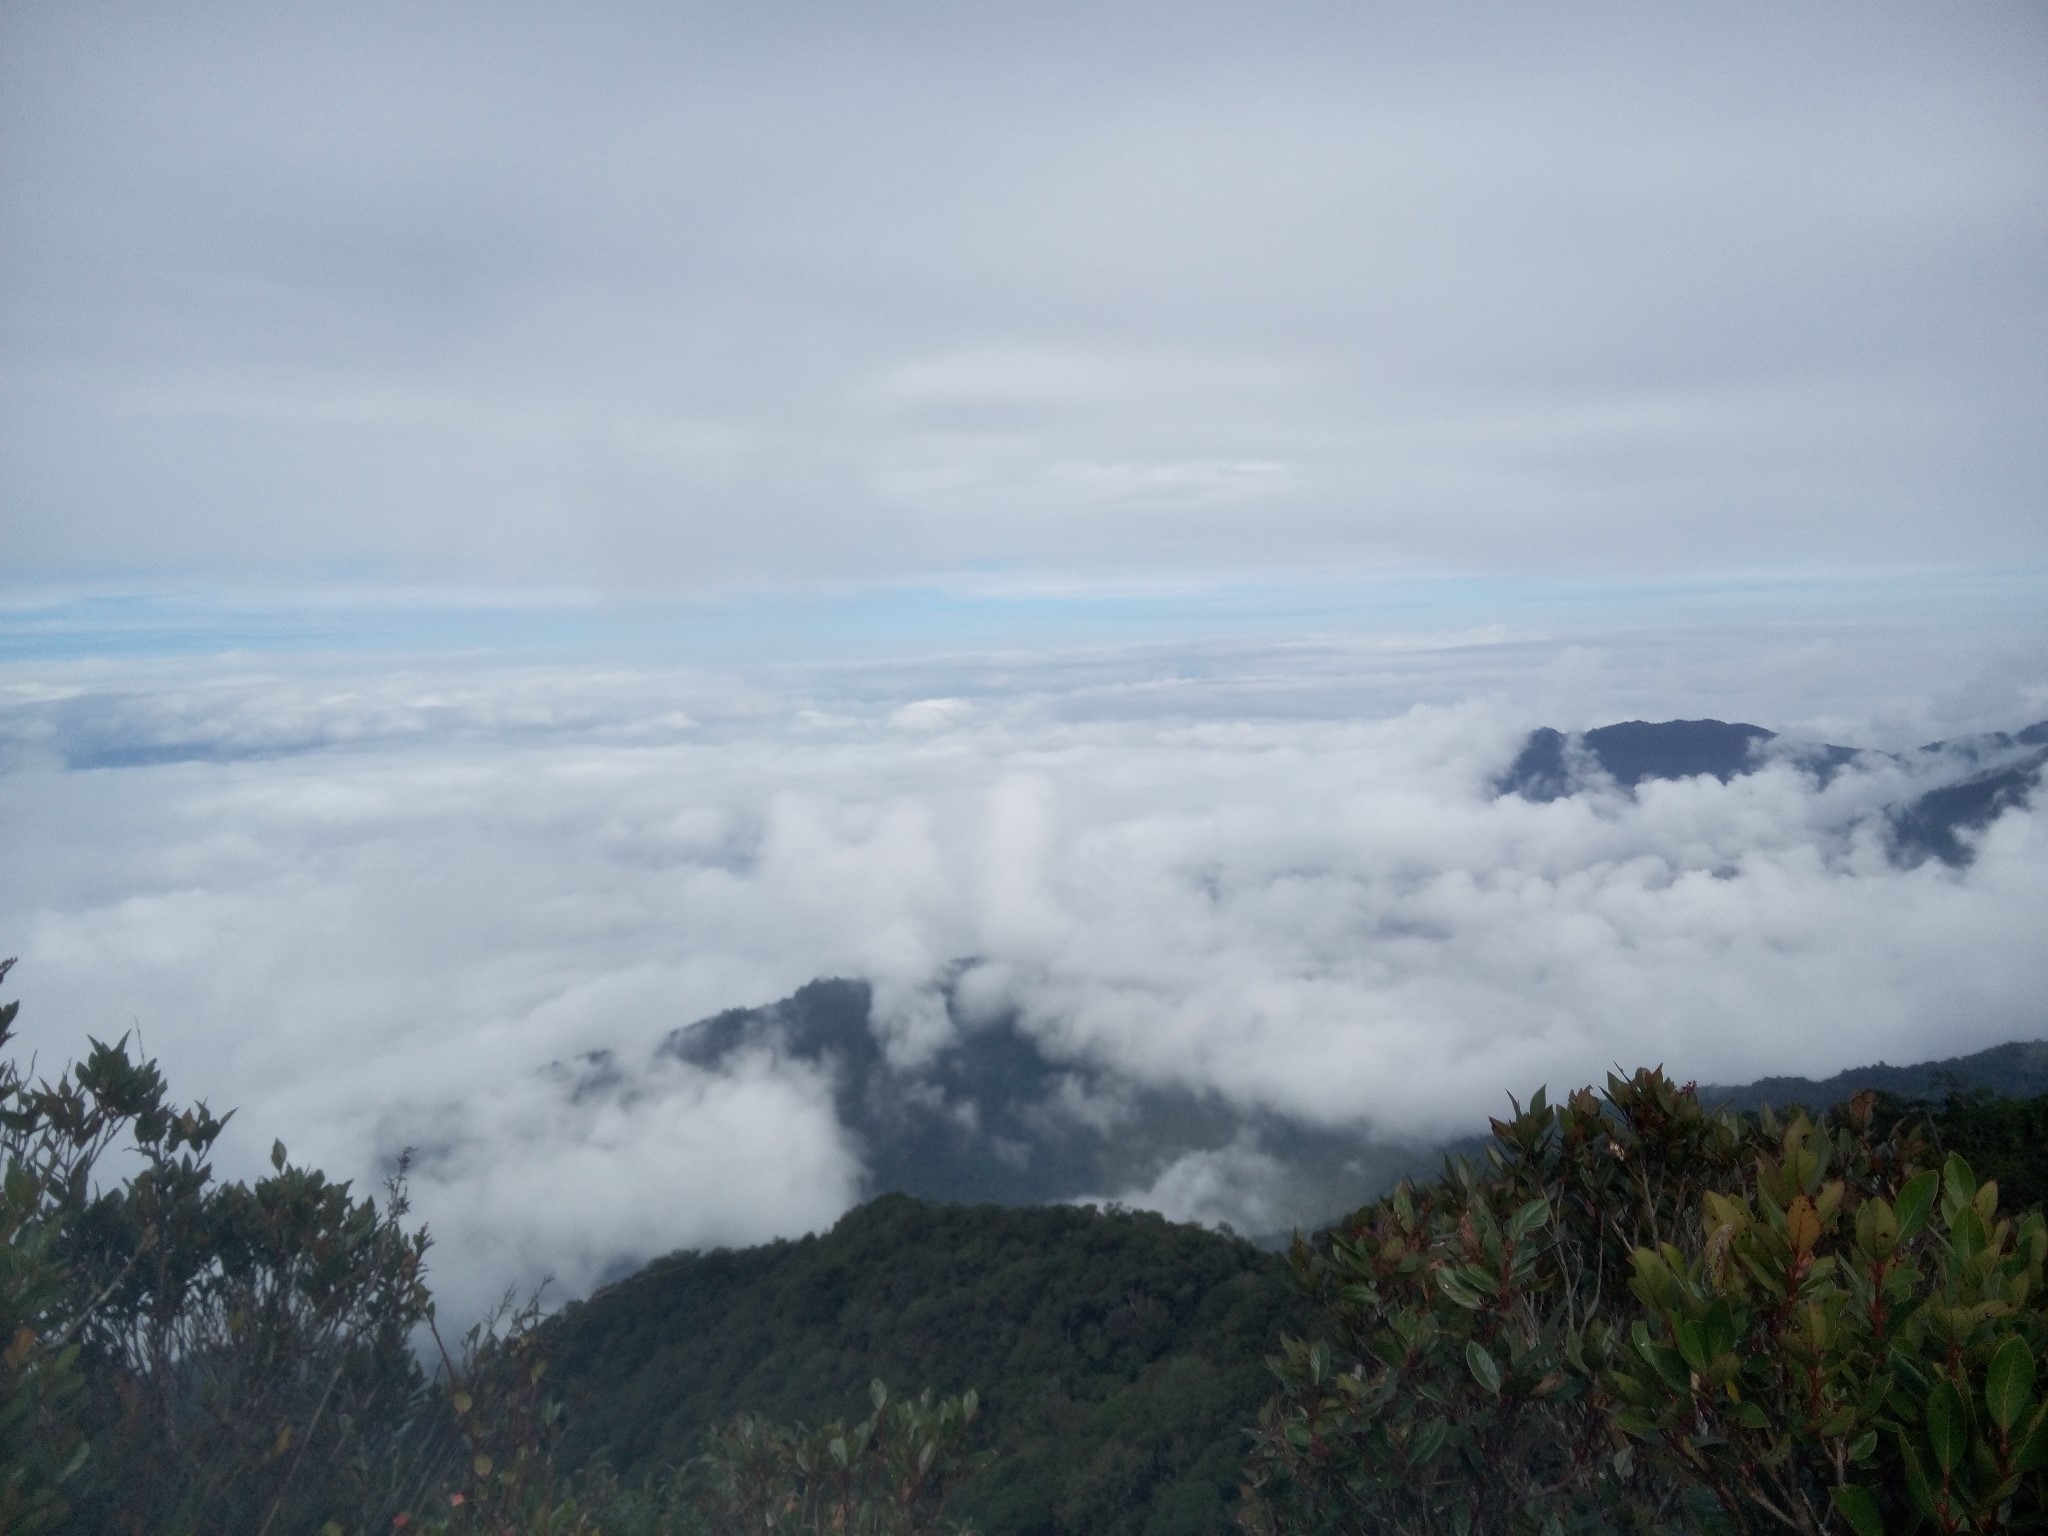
(675, 297)
(525, 526)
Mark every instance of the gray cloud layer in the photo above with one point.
(385, 910)
(672, 296)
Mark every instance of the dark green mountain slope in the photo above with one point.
(996, 1116)
(2002, 1139)
(2018, 1070)
(1120, 1356)
(1992, 1107)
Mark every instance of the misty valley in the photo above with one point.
(1800, 1304)
(1074, 1296)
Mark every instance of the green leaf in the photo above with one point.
(1859, 1508)
(1429, 1439)
(1722, 1330)
(1481, 1279)
(1914, 1202)
(1667, 1363)
(2030, 1448)
(1627, 1388)
(2009, 1385)
(1531, 1216)
(1404, 1208)
(1877, 1229)
(1918, 1489)
(1948, 1425)
(1958, 1186)
(1459, 1290)
(1485, 1369)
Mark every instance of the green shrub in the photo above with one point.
(1636, 1316)
(183, 1354)
(1823, 1360)
(187, 1354)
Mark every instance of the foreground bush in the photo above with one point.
(187, 1354)
(1637, 1316)
(182, 1354)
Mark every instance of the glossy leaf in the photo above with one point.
(1534, 1214)
(1948, 1425)
(1485, 1369)
(1859, 1507)
(1915, 1202)
(1428, 1440)
(1914, 1472)
(2009, 1384)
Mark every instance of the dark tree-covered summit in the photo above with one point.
(2016, 1070)
(1977, 778)
(995, 1115)
(1119, 1355)
(1551, 763)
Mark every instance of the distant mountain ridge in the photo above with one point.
(992, 1117)
(999, 1113)
(2016, 1070)
(1978, 777)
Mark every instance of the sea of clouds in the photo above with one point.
(374, 908)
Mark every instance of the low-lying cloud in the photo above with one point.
(461, 916)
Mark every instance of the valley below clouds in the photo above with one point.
(461, 910)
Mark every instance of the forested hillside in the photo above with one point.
(1630, 1312)
(2017, 1070)
(1123, 1359)
(1119, 1357)
(996, 1114)
(2003, 1138)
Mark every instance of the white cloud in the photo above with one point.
(390, 910)
(1240, 1186)
(533, 1180)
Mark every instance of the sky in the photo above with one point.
(524, 528)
